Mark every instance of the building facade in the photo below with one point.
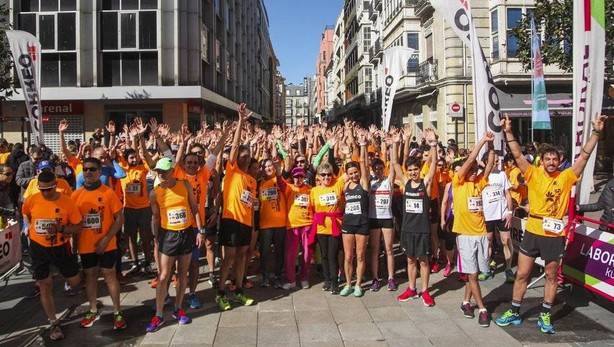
(279, 101)
(298, 109)
(324, 57)
(181, 62)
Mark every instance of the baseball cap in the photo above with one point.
(297, 171)
(164, 164)
(44, 164)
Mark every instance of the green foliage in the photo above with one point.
(556, 18)
(6, 63)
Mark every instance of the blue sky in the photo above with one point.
(296, 27)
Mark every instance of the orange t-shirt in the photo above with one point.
(75, 164)
(134, 186)
(434, 193)
(200, 184)
(273, 211)
(328, 199)
(300, 213)
(62, 187)
(43, 213)
(238, 194)
(174, 203)
(97, 207)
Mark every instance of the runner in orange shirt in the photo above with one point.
(102, 219)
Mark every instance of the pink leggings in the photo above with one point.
(293, 237)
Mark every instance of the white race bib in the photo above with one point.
(553, 225)
(268, 194)
(246, 198)
(133, 188)
(92, 221)
(414, 206)
(177, 216)
(353, 208)
(474, 204)
(42, 225)
(382, 201)
(301, 200)
(329, 199)
(493, 195)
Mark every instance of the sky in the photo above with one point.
(296, 27)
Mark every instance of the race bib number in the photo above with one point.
(133, 188)
(302, 200)
(353, 208)
(42, 226)
(474, 204)
(269, 194)
(414, 206)
(177, 216)
(329, 199)
(382, 201)
(553, 225)
(92, 221)
(246, 198)
(493, 195)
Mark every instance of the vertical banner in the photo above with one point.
(394, 65)
(588, 69)
(26, 54)
(457, 14)
(540, 115)
(10, 247)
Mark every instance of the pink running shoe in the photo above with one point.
(448, 270)
(427, 299)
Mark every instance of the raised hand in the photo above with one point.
(63, 126)
(244, 114)
(506, 123)
(407, 130)
(489, 137)
(599, 123)
(430, 136)
(153, 124)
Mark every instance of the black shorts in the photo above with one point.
(176, 243)
(234, 234)
(375, 223)
(496, 226)
(355, 229)
(59, 256)
(416, 244)
(548, 248)
(106, 260)
(137, 218)
(434, 211)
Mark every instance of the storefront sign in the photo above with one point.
(589, 260)
(62, 108)
(10, 248)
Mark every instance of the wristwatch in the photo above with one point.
(202, 231)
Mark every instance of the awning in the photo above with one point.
(519, 104)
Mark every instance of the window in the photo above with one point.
(218, 55)
(514, 15)
(429, 47)
(204, 43)
(147, 30)
(494, 34)
(59, 70)
(413, 41)
(131, 29)
(129, 68)
(366, 32)
(128, 30)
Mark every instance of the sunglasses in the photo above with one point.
(90, 169)
(197, 152)
(326, 174)
(300, 162)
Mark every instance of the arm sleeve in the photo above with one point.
(210, 163)
(119, 172)
(281, 150)
(318, 157)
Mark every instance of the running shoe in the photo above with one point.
(358, 291)
(155, 324)
(174, 281)
(493, 265)
(119, 323)
(288, 286)
(484, 319)
(55, 332)
(121, 278)
(447, 271)
(194, 302)
(427, 299)
(212, 280)
(244, 299)
(222, 302)
(148, 271)
(435, 266)
(134, 269)
(181, 317)
(543, 322)
(334, 289)
(375, 285)
(347, 290)
(392, 285)
(485, 276)
(305, 284)
(89, 318)
(508, 317)
(509, 276)
(70, 291)
(326, 286)
(407, 294)
(468, 310)
(154, 282)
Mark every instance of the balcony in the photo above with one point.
(427, 72)
(375, 51)
(423, 7)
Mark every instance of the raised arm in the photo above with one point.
(431, 139)
(521, 161)
(243, 116)
(490, 162)
(580, 163)
(394, 157)
(406, 141)
(462, 172)
(364, 170)
(62, 129)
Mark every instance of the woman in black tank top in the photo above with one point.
(355, 226)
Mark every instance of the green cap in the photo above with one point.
(164, 164)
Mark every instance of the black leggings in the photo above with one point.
(269, 239)
(329, 249)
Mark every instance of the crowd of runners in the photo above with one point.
(336, 198)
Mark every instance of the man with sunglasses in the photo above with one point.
(27, 170)
(52, 218)
(102, 219)
(62, 185)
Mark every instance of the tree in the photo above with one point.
(6, 63)
(556, 19)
